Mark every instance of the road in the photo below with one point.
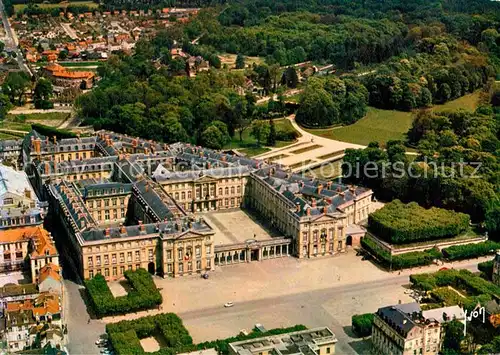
(285, 292)
(12, 42)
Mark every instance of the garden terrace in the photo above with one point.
(400, 223)
(452, 287)
(143, 294)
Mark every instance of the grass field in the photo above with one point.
(249, 144)
(384, 125)
(18, 7)
(230, 60)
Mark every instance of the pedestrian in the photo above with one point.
(88, 322)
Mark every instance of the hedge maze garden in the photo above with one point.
(143, 294)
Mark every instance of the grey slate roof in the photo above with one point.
(400, 317)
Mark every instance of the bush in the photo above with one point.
(401, 223)
(125, 335)
(288, 134)
(51, 131)
(470, 251)
(144, 294)
(486, 268)
(402, 261)
(362, 324)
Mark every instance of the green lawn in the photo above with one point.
(5, 136)
(249, 144)
(49, 116)
(384, 125)
(90, 4)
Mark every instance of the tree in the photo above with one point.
(240, 61)
(454, 334)
(5, 106)
(291, 77)
(271, 138)
(316, 106)
(260, 131)
(14, 86)
(63, 54)
(42, 94)
(212, 137)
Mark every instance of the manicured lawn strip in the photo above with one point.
(49, 116)
(144, 294)
(90, 4)
(331, 155)
(306, 149)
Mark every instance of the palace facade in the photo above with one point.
(124, 203)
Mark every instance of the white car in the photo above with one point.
(229, 304)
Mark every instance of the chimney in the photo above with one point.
(208, 165)
(146, 151)
(134, 143)
(165, 146)
(38, 144)
(313, 202)
(147, 187)
(142, 227)
(339, 189)
(329, 185)
(325, 209)
(297, 207)
(54, 138)
(122, 229)
(308, 211)
(27, 193)
(320, 187)
(107, 232)
(78, 136)
(223, 158)
(47, 168)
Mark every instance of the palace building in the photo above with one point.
(125, 203)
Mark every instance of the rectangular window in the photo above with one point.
(189, 194)
(122, 202)
(91, 274)
(198, 265)
(137, 255)
(89, 261)
(209, 263)
(190, 267)
(130, 267)
(122, 270)
(129, 256)
(169, 268)
(122, 257)
(114, 271)
(98, 260)
(106, 215)
(198, 252)
(115, 214)
(208, 249)
(114, 202)
(179, 254)
(169, 254)
(106, 272)
(181, 267)
(123, 213)
(106, 260)
(106, 203)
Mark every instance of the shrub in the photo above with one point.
(401, 223)
(469, 251)
(125, 335)
(486, 268)
(144, 294)
(288, 134)
(402, 261)
(51, 131)
(362, 324)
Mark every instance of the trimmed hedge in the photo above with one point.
(125, 335)
(144, 294)
(470, 251)
(51, 131)
(362, 324)
(400, 223)
(402, 261)
(222, 346)
(477, 288)
(486, 268)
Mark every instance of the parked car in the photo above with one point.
(228, 304)
(205, 276)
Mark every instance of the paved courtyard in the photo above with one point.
(284, 292)
(236, 226)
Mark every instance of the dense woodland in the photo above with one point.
(390, 54)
